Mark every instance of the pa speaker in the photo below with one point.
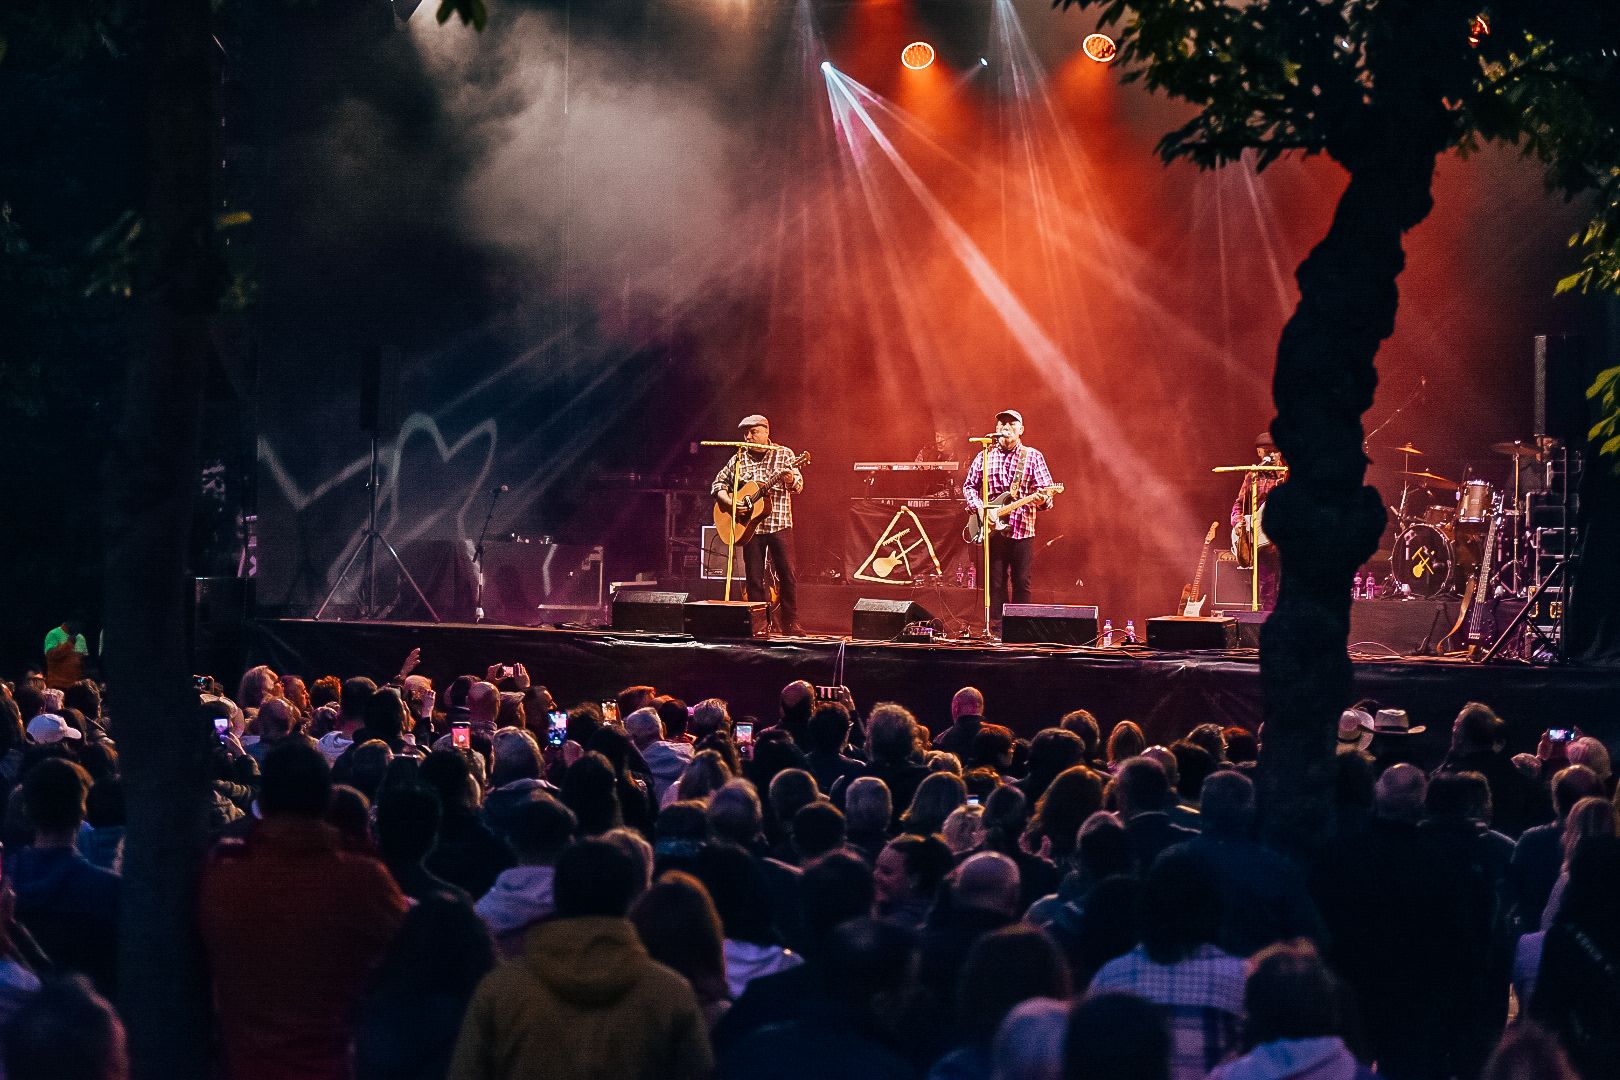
(727, 619)
(885, 620)
(1181, 633)
(638, 609)
(1049, 624)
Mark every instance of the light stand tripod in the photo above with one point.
(368, 609)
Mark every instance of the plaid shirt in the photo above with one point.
(1202, 998)
(1002, 467)
(761, 467)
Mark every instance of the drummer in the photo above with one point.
(1266, 552)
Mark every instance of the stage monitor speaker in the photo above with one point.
(1049, 624)
(885, 620)
(1248, 622)
(727, 619)
(1183, 633)
(645, 609)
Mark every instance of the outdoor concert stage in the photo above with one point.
(1028, 687)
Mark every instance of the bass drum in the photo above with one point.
(1423, 562)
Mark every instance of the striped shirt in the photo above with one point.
(1003, 465)
(760, 468)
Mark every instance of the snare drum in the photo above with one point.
(1474, 507)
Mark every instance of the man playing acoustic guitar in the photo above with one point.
(1018, 471)
(773, 535)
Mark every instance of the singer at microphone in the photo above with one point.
(1248, 525)
(1013, 473)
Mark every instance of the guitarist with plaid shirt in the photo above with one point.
(773, 537)
(1021, 470)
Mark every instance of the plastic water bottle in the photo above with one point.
(1130, 631)
(1355, 587)
(1108, 634)
(1370, 592)
(971, 575)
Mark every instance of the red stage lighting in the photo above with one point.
(917, 55)
(1100, 47)
(1478, 29)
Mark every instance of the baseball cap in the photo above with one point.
(50, 728)
(1010, 414)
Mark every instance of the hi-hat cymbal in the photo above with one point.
(1516, 449)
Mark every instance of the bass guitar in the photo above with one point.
(738, 524)
(1192, 603)
(1481, 625)
(996, 517)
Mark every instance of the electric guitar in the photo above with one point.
(738, 525)
(1478, 633)
(996, 516)
(1192, 604)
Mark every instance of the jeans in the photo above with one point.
(779, 546)
(1016, 556)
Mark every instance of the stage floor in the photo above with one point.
(1027, 687)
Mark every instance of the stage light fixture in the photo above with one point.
(917, 55)
(1478, 29)
(1100, 47)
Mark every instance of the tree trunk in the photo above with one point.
(1325, 523)
(151, 482)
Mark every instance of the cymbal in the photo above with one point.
(1516, 449)
(1407, 449)
(1430, 480)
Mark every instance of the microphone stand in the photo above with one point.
(984, 524)
(1423, 384)
(478, 557)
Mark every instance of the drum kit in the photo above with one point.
(1442, 526)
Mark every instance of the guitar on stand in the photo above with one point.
(750, 505)
(997, 513)
(1192, 602)
(1481, 626)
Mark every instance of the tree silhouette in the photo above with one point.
(1383, 88)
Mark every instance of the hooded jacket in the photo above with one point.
(583, 1002)
(666, 761)
(519, 897)
(71, 908)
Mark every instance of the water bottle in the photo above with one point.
(961, 575)
(1108, 634)
(1130, 631)
(970, 577)
(1355, 587)
(1370, 592)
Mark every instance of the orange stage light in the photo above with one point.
(917, 55)
(1100, 47)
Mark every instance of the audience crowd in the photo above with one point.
(468, 881)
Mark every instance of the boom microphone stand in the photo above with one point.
(368, 609)
(478, 557)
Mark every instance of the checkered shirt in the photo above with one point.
(762, 467)
(1003, 466)
(1202, 998)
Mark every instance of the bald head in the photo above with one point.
(797, 694)
(967, 702)
(483, 702)
(1398, 794)
(988, 881)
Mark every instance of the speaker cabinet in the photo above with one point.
(219, 607)
(727, 619)
(1049, 624)
(1182, 633)
(646, 609)
(884, 620)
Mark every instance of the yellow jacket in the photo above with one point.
(584, 1001)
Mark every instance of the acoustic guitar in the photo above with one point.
(1192, 603)
(738, 525)
(996, 517)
